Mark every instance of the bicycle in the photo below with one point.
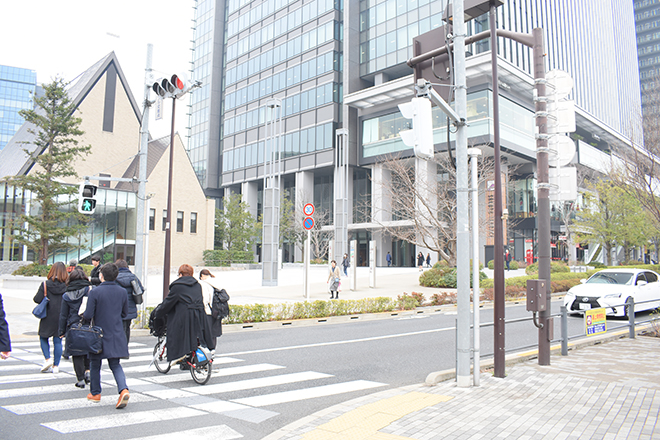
(199, 361)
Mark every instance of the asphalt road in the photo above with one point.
(262, 379)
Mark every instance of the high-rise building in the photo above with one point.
(17, 85)
(647, 25)
(336, 64)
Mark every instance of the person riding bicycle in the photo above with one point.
(184, 308)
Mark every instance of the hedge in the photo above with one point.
(513, 265)
(444, 276)
(563, 277)
(37, 270)
(223, 257)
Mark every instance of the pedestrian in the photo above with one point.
(388, 258)
(333, 280)
(77, 288)
(72, 265)
(54, 286)
(124, 279)
(507, 258)
(345, 263)
(5, 340)
(94, 274)
(184, 308)
(428, 259)
(213, 327)
(420, 261)
(107, 306)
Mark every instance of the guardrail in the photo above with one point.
(564, 337)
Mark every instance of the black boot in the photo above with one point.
(337, 295)
(332, 295)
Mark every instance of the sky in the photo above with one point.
(65, 37)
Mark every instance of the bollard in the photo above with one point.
(564, 331)
(630, 310)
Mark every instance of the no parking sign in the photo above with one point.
(308, 223)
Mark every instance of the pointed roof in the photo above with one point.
(13, 158)
(157, 148)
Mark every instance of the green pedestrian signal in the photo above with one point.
(87, 198)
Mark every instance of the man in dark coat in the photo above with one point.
(124, 280)
(5, 341)
(107, 305)
(94, 274)
(184, 307)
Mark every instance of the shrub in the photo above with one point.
(444, 276)
(223, 257)
(597, 265)
(510, 292)
(406, 302)
(555, 266)
(419, 297)
(563, 285)
(513, 265)
(32, 270)
(438, 299)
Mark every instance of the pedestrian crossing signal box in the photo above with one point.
(87, 198)
(536, 295)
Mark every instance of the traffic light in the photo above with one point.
(86, 198)
(421, 135)
(174, 87)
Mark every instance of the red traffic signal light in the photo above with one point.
(175, 87)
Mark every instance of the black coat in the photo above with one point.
(94, 275)
(124, 279)
(71, 301)
(5, 341)
(54, 290)
(186, 319)
(108, 306)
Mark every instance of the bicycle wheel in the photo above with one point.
(201, 374)
(160, 357)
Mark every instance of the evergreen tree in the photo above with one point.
(235, 226)
(54, 150)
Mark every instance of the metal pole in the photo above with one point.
(474, 154)
(462, 203)
(307, 258)
(141, 231)
(168, 222)
(543, 207)
(630, 310)
(498, 235)
(564, 330)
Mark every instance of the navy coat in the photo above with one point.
(54, 290)
(108, 306)
(5, 342)
(124, 279)
(71, 302)
(186, 319)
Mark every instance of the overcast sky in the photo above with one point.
(65, 37)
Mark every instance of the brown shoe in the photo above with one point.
(94, 397)
(123, 399)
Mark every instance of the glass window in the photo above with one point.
(179, 221)
(320, 137)
(303, 141)
(164, 219)
(152, 219)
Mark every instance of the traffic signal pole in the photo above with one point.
(168, 222)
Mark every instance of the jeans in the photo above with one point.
(57, 349)
(95, 375)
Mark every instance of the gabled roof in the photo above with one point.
(13, 158)
(157, 148)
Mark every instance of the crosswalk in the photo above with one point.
(238, 392)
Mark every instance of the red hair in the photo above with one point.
(186, 270)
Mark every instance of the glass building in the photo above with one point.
(17, 86)
(336, 64)
(647, 25)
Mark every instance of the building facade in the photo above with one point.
(17, 86)
(647, 25)
(335, 64)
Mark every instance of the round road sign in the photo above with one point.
(308, 223)
(308, 209)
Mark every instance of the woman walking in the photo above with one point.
(77, 288)
(213, 327)
(53, 288)
(333, 279)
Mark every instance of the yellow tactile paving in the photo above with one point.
(364, 423)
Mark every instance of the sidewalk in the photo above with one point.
(607, 391)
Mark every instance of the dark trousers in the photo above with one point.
(80, 365)
(117, 372)
(208, 333)
(127, 329)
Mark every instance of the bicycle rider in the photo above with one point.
(184, 307)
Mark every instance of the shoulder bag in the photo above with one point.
(41, 309)
(85, 337)
(137, 291)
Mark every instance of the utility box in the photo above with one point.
(536, 295)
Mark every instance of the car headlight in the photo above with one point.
(613, 295)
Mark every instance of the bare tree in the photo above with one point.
(419, 206)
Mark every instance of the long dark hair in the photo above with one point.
(58, 272)
(77, 274)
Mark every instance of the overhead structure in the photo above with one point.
(271, 201)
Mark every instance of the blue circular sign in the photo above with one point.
(308, 223)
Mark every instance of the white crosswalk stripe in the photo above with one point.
(156, 397)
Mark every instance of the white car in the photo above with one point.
(611, 288)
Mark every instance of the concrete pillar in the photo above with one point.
(425, 179)
(381, 210)
(304, 194)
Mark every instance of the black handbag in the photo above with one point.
(137, 291)
(85, 337)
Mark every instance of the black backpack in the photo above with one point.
(220, 305)
(157, 326)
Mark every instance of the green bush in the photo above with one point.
(555, 266)
(32, 270)
(438, 299)
(443, 276)
(223, 257)
(513, 265)
(406, 302)
(597, 265)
